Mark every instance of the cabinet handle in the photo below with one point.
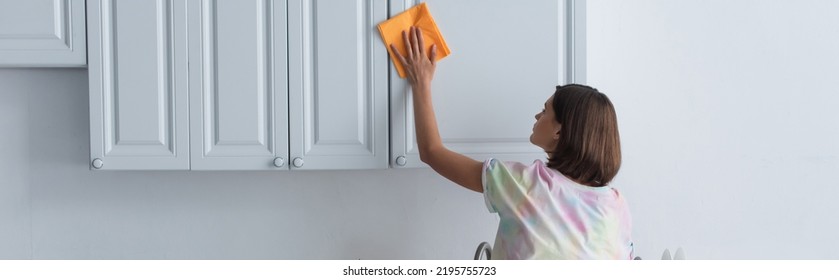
(279, 161)
(97, 163)
(297, 162)
(401, 160)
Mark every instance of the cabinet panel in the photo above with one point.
(238, 85)
(497, 78)
(36, 33)
(138, 103)
(338, 84)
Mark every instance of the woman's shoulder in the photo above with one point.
(492, 163)
(563, 180)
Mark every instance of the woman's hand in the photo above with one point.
(419, 67)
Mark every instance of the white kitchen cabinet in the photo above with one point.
(138, 90)
(238, 85)
(304, 84)
(507, 57)
(314, 98)
(270, 85)
(338, 85)
(38, 33)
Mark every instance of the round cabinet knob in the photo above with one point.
(97, 163)
(401, 160)
(297, 162)
(279, 162)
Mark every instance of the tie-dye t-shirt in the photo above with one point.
(545, 215)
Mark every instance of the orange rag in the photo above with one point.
(391, 31)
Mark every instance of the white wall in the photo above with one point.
(729, 123)
(727, 111)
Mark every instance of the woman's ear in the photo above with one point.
(558, 129)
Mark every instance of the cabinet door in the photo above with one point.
(238, 85)
(138, 90)
(507, 57)
(338, 77)
(36, 33)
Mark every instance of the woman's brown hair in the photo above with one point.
(589, 149)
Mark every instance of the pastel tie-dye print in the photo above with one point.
(545, 215)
